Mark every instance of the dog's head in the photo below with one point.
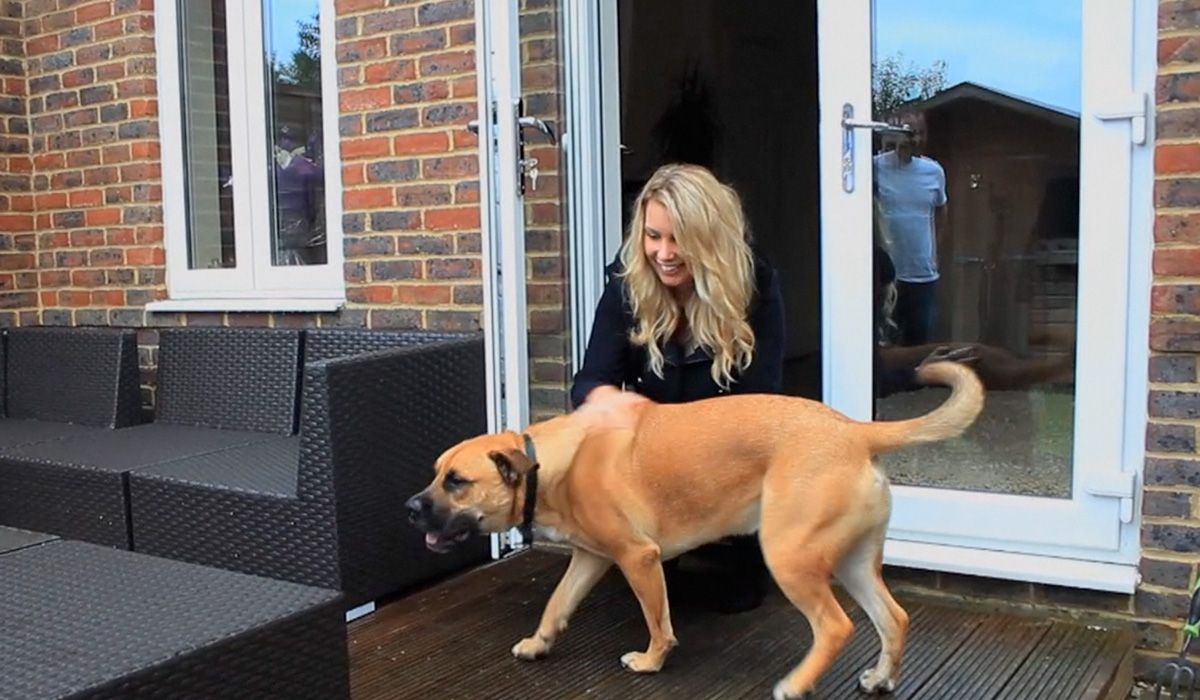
(474, 491)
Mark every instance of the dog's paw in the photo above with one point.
(531, 648)
(876, 683)
(640, 662)
(781, 692)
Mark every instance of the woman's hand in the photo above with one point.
(609, 407)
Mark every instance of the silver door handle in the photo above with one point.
(849, 124)
(535, 123)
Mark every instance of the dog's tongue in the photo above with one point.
(431, 539)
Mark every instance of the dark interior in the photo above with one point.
(733, 87)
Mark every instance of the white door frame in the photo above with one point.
(1001, 535)
(590, 42)
(502, 206)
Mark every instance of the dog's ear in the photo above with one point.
(512, 465)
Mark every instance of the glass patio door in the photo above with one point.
(978, 170)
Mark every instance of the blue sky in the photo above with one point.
(1027, 47)
(281, 18)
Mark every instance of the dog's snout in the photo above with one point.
(418, 506)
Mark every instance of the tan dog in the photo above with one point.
(653, 482)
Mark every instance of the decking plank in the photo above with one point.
(453, 641)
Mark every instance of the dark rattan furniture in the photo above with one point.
(217, 389)
(326, 507)
(79, 620)
(13, 539)
(64, 383)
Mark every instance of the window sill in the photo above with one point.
(265, 304)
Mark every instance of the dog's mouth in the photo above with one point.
(457, 530)
(443, 542)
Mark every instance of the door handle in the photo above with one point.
(535, 123)
(849, 124)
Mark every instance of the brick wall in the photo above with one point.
(410, 166)
(18, 282)
(1171, 529)
(97, 194)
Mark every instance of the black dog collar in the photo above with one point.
(531, 484)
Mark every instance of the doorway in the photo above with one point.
(733, 87)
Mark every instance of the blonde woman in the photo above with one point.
(689, 312)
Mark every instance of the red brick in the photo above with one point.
(344, 7)
(365, 99)
(377, 294)
(464, 87)
(86, 198)
(353, 175)
(1177, 158)
(103, 217)
(457, 218)
(372, 198)
(145, 256)
(390, 71)
(424, 294)
(1177, 262)
(420, 143)
(108, 297)
(353, 149)
(143, 108)
(74, 298)
(41, 45)
(93, 12)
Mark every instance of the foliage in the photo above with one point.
(304, 68)
(895, 82)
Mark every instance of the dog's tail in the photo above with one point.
(949, 420)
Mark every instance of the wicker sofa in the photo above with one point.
(213, 394)
(279, 452)
(76, 384)
(324, 506)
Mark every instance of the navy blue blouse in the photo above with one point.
(612, 359)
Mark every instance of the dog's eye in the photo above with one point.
(453, 481)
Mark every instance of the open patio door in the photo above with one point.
(996, 157)
(541, 204)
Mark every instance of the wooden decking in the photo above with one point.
(453, 641)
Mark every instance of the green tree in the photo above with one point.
(304, 68)
(895, 81)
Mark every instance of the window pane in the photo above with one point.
(292, 41)
(208, 161)
(977, 213)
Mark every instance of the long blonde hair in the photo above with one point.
(709, 228)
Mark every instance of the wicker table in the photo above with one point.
(79, 620)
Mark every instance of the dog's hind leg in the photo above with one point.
(861, 572)
(799, 555)
(582, 574)
(642, 565)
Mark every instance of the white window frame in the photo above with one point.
(254, 284)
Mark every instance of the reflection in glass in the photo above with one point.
(208, 163)
(976, 233)
(292, 42)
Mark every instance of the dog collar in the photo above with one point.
(531, 484)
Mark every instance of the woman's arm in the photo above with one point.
(604, 361)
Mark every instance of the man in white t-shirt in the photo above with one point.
(910, 192)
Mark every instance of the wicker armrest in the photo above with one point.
(371, 427)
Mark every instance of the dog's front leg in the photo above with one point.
(582, 574)
(642, 566)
